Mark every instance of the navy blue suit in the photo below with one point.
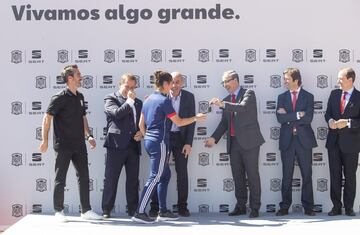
(122, 150)
(296, 145)
(343, 148)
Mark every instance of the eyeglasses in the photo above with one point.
(227, 81)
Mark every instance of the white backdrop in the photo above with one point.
(259, 39)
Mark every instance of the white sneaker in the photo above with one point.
(60, 217)
(90, 215)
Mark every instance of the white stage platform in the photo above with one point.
(212, 223)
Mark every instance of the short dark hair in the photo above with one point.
(349, 73)
(294, 74)
(69, 70)
(127, 76)
(161, 77)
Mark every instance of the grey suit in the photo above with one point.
(244, 146)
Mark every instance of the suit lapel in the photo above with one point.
(239, 95)
(351, 100)
(288, 102)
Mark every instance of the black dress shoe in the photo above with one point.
(184, 212)
(106, 214)
(282, 212)
(238, 211)
(334, 212)
(350, 212)
(309, 212)
(254, 213)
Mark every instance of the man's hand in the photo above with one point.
(209, 142)
(138, 136)
(43, 147)
(131, 94)
(217, 102)
(200, 117)
(301, 114)
(341, 123)
(281, 111)
(332, 124)
(92, 142)
(186, 150)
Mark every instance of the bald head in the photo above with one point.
(178, 83)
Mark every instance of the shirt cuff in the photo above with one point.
(130, 101)
(297, 115)
(349, 123)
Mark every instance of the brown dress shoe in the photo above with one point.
(238, 211)
(334, 212)
(282, 212)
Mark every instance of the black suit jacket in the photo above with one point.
(305, 102)
(120, 121)
(246, 124)
(347, 138)
(186, 110)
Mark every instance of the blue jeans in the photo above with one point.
(159, 175)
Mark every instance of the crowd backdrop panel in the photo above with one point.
(201, 39)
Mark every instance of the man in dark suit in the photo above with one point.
(295, 110)
(181, 139)
(122, 144)
(239, 120)
(343, 141)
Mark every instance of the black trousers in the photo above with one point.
(80, 162)
(342, 163)
(304, 158)
(245, 162)
(176, 146)
(115, 161)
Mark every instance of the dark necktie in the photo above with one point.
(343, 102)
(232, 129)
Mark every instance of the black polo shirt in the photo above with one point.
(68, 110)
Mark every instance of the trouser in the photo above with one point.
(80, 162)
(159, 175)
(304, 158)
(115, 161)
(340, 163)
(176, 147)
(245, 162)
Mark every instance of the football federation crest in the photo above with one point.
(16, 56)
(41, 185)
(275, 133)
(87, 82)
(204, 55)
(137, 77)
(344, 55)
(16, 107)
(275, 184)
(38, 133)
(203, 208)
(16, 159)
(156, 55)
(228, 185)
(63, 56)
(322, 81)
(91, 185)
(275, 81)
(322, 185)
(204, 159)
(250, 55)
(40, 82)
(17, 210)
(322, 133)
(109, 56)
(297, 55)
(204, 107)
